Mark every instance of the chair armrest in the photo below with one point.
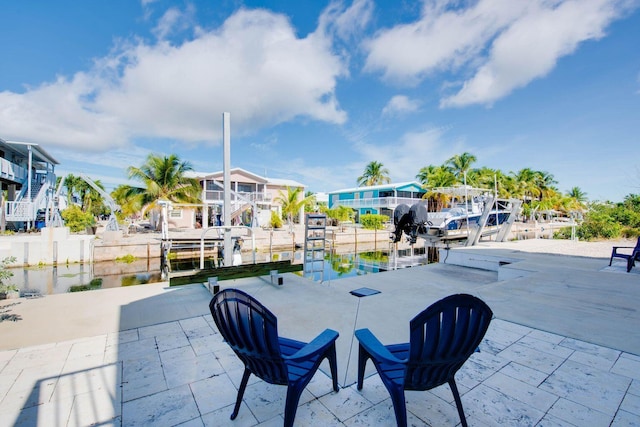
(319, 344)
(376, 349)
(615, 248)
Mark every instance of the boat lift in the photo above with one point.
(112, 223)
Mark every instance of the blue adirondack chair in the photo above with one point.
(631, 258)
(252, 332)
(442, 338)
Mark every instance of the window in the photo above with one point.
(245, 188)
(175, 213)
(386, 193)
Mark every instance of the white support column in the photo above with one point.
(205, 206)
(226, 167)
(29, 177)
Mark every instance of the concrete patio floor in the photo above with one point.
(562, 350)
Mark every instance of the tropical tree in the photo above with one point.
(312, 203)
(577, 194)
(129, 198)
(546, 184)
(433, 177)
(92, 201)
(70, 184)
(374, 174)
(460, 164)
(164, 179)
(526, 184)
(291, 202)
(436, 176)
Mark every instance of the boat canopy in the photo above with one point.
(461, 190)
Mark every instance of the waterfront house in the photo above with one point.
(253, 198)
(377, 199)
(27, 174)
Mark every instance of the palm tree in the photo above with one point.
(433, 177)
(71, 183)
(577, 194)
(292, 202)
(92, 201)
(525, 182)
(460, 164)
(374, 174)
(164, 179)
(545, 182)
(129, 198)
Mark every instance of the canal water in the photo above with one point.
(48, 280)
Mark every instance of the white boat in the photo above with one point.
(472, 213)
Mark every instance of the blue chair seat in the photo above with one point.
(442, 338)
(251, 330)
(631, 258)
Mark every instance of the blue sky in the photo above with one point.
(318, 89)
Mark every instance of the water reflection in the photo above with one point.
(339, 266)
(49, 280)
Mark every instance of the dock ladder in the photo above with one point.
(314, 244)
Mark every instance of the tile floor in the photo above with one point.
(181, 373)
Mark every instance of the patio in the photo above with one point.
(563, 349)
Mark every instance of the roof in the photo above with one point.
(218, 175)
(378, 187)
(284, 182)
(38, 154)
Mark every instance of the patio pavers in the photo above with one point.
(166, 364)
(164, 376)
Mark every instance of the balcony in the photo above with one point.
(218, 196)
(19, 211)
(377, 202)
(12, 172)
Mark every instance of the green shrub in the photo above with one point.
(338, 214)
(276, 220)
(563, 234)
(630, 232)
(373, 221)
(599, 223)
(6, 274)
(76, 219)
(127, 259)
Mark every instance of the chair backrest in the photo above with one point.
(252, 332)
(637, 248)
(443, 337)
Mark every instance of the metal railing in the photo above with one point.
(19, 211)
(12, 171)
(214, 195)
(377, 202)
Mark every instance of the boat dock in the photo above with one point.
(563, 348)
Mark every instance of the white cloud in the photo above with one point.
(60, 114)
(253, 66)
(172, 20)
(414, 150)
(346, 22)
(501, 44)
(400, 104)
